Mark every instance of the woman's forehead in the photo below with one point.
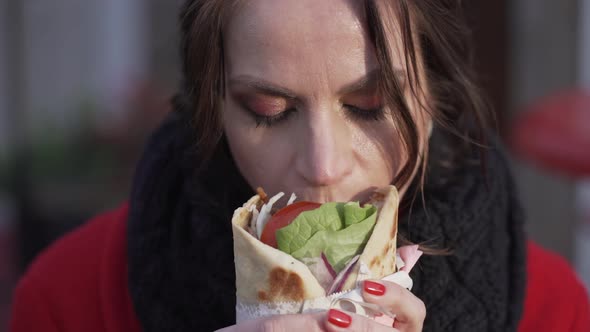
(327, 14)
(294, 23)
(299, 37)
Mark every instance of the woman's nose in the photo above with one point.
(325, 153)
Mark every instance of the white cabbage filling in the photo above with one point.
(252, 224)
(320, 271)
(292, 199)
(264, 215)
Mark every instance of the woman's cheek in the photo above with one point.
(242, 138)
(377, 149)
(257, 152)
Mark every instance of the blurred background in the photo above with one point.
(82, 84)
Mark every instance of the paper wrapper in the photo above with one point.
(351, 301)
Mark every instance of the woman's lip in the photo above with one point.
(364, 201)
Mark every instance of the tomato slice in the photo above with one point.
(283, 218)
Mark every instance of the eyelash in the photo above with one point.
(374, 114)
(355, 113)
(269, 121)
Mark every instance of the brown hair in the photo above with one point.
(434, 34)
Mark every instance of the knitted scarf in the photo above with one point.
(180, 252)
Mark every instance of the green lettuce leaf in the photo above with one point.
(339, 230)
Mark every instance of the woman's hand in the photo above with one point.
(306, 322)
(330, 321)
(409, 310)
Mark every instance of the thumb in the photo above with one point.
(340, 321)
(307, 322)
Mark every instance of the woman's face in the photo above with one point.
(302, 112)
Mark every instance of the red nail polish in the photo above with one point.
(374, 288)
(339, 318)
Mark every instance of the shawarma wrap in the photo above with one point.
(317, 258)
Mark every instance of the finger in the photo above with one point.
(410, 311)
(339, 321)
(279, 323)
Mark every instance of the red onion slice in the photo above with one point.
(328, 266)
(320, 271)
(343, 275)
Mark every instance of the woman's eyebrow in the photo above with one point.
(262, 86)
(370, 80)
(268, 88)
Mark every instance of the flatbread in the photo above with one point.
(265, 274)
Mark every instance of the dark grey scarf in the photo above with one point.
(181, 271)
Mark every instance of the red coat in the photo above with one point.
(80, 284)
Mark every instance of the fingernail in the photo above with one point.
(339, 318)
(374, 288)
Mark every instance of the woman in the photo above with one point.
(327, 99)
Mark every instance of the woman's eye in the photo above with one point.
(356, 113)
(373, 114)
(271, 120)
